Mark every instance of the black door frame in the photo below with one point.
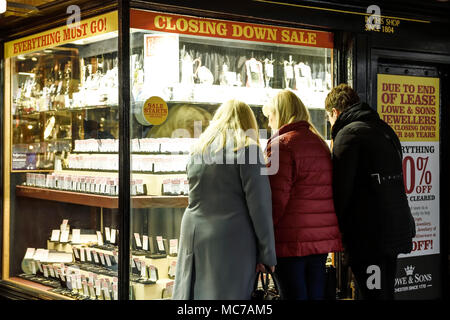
(442, 64)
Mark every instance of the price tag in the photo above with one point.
(52, 272)
(94, 253)
(108, 260)
(91, 290)
(137, 263)
(42, 254)
(102, 258)
(75, 252)
(99, 238)
(172, 269)
(137, 237)
(29, 253)
(113, 236)
(63, 278)
(173, 246)
(85, 289)
(64, 224)
(79, 285)
(56, 272)
(64, 236)
(169, 288)
(83, 257)
(145, 242)
(143, 270)
(107, 234)
(153, 274)
(69, 282)
(98, 288)
(76, 236)
(159, 240)
(88, 255)
(106, 291)
(45, 271)
(115, 292)
(55, 235)
(91, 277)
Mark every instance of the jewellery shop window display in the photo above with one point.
(61, 161)
(182, 69)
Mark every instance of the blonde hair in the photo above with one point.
(287, 108)
(233, 120)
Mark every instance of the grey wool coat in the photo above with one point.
(226, 229)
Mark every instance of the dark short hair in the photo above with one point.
(340, 98)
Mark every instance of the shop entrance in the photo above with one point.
(413, 99)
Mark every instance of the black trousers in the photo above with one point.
(375, 283)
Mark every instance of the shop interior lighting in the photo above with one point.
(2, 6)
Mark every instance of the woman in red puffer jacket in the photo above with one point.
(305, 223)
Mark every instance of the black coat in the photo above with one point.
(369, 193)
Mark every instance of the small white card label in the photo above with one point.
(30, 253)
(82, 255)
(75, 252)
(45, 271)
(145, 242)
(76, 236)
(88, 255)
(138, 264)
(102, 258)
(94, 253)
(55, 235)
(172, 268)
(91, 290)
(115, 292)
(113, 236)
(137, 237)
(64, 224)
(98, 288)
(99, 238)
(85, 288)
(107, 234)
(152, 271)
(143, 270)
(159, 240)
(173, 246)
(64, 236)
(108, 260)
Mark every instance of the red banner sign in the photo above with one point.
(229, 30)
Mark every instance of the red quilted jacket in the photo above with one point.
(302, 198)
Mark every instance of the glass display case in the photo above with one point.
(61, 138)
(61, 161)
(182, 69)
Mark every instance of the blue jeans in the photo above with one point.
(302, 278)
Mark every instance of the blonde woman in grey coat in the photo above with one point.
(227, 230)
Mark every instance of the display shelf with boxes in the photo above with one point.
(82, 264)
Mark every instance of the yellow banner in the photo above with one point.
(410, 105)
(87, 28)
